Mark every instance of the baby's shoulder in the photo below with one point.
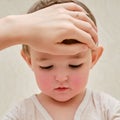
(104, 97)
(23, 110)
(105, 101)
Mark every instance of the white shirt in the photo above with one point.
(95, 106)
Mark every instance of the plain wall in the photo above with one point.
(17, 80)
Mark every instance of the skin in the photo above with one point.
(62, 79)
(40, 32)
(63, 86)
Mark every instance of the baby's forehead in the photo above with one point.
(45, 56)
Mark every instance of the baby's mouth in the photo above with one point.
(61, 89)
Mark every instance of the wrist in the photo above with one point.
(22, 28)
(9, 32)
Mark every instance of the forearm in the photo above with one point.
(44, 31)
(9, 32)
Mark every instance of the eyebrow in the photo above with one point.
(43, 59)
(77, 56)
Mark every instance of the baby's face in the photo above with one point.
(61, 77)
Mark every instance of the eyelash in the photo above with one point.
(47, 67)
(75, 66)
(71, 66)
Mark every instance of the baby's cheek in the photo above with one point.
(79, 80)
(43, 81)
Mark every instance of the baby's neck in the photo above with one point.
(44, 99)
(57, 109)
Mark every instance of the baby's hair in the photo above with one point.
(45, 3)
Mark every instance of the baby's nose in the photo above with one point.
(61, 77)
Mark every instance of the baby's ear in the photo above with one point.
(96, 54)
(26, 57)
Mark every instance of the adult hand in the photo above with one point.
(46, 29)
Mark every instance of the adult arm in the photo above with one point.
(46, 29)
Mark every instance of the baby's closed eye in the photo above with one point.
(75, 66)
(46, 67)
(70, 65)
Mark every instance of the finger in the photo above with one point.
(72, 7)
(85, 17)
(83, 37)
(87, 39)
(85, 26)
(81, 31)
(82, 16)
(63, 49)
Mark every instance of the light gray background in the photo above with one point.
(17, 80)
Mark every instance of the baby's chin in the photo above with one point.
(65, 99)
(62, 100)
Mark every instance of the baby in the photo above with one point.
(62, 80)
